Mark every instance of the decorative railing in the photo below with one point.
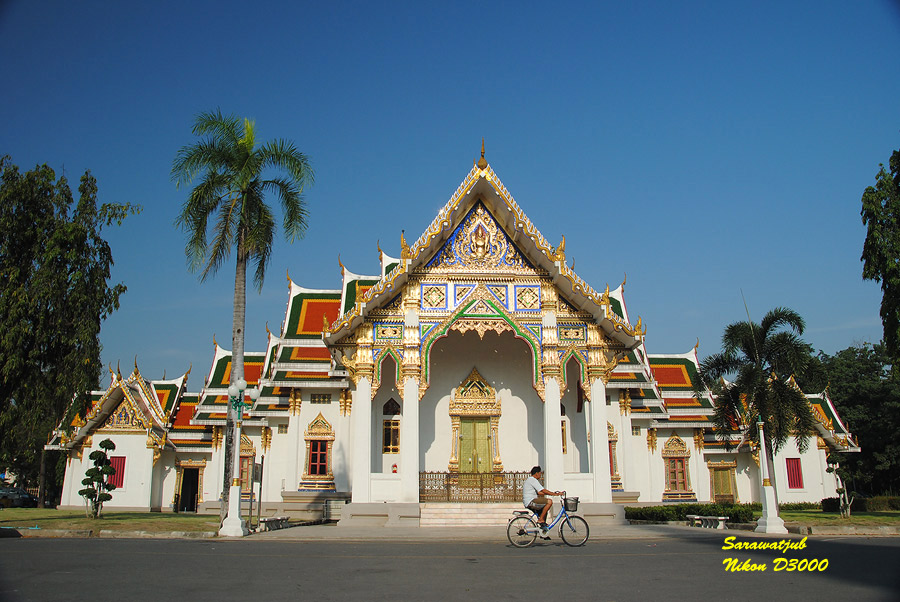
(471, 487)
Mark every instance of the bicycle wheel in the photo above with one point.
(574, 531)
(521, 532)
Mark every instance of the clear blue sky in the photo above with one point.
(704, 148)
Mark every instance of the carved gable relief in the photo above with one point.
(479, 244)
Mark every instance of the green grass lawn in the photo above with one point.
(46, 518)
(817, 517)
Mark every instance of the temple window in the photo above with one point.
(391, 437)
(318, 457)
(117, 479)
(319, 439)
(678, 479)
(391, 408)
(794, 473)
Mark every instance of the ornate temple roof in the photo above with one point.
(483, 185)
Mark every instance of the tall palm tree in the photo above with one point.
(229, 202)
(761, 359)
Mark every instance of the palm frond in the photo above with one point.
(782, 317)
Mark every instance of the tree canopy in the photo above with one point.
(881, 250)
(54, 295)
(867, 397)
(762, 359)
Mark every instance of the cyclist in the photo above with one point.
(533, 497)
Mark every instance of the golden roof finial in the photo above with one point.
(697, 346)
(481, 163)
(190, 367)
(380, 252)
(288, 272)
(269, 332)
(215, 344)
(559, 254)
(118, 370)
(404, 247)
(624, 279)
(325, 324)
(341, 264)
(135, 364)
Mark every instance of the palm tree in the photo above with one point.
(229, 201)
(762, 359)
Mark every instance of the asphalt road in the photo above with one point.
(672, 568)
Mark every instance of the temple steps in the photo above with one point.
(436, 514)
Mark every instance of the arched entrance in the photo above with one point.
(481, 417)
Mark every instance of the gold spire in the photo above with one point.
(380, 252)
(341, 264)
(404, 247)
(481, 163)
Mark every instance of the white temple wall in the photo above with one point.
(165, 478)
(641, 478)
(138, 477)
(576, 458)
(276, 476)
(72, 485)
(817, 484)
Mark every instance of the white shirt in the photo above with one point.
(530, 490)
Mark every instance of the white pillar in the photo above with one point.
(361, 418)
(409, 442)
(626, 452)
(234, 525)
(599, 443)
(769, 522)
(295, 458)
(554, 477)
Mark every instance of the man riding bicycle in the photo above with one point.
(533, 496)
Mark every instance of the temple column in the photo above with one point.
(554, 477)
(361, 421)
(295, 437)
(629, 481)
(410, 373)
(409, 442)
(599, 442)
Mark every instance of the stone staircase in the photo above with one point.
(435, 514)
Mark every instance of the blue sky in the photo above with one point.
(703, 148)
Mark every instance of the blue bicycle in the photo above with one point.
(523, 529)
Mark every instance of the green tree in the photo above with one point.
(867, 396)
(54, 295)
(96, 478)
(761, 359)
(229, 201)
(881, 216)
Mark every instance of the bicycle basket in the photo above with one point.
(571, 504)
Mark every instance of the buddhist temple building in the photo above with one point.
(438, 379)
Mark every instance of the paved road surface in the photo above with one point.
(662, 564)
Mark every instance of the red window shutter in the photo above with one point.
(794, 473)
(117, 462)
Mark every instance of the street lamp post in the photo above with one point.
(769, 522)
(234, 525)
